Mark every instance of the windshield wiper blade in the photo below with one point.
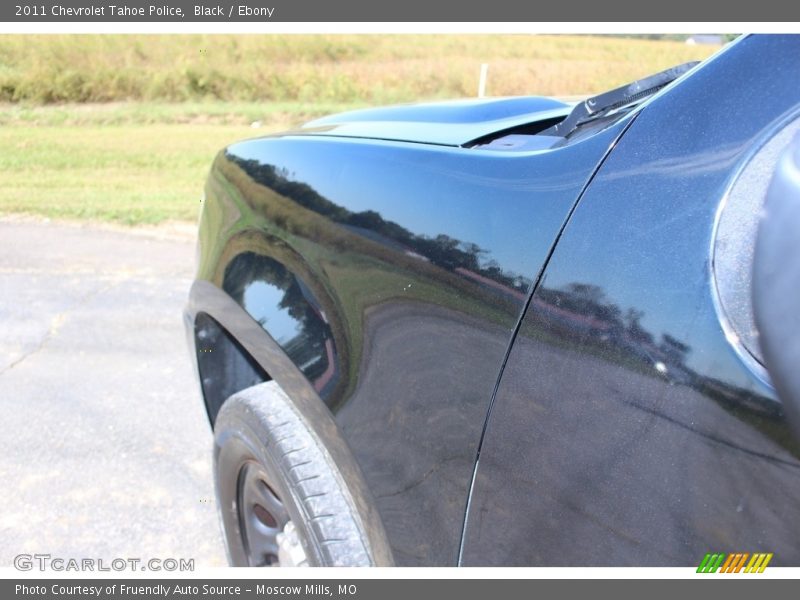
(602, 104)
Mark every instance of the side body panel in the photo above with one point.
(628, 427)
(391, 275)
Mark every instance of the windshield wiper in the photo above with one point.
(607, 102)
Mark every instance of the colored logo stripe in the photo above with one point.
(710, 563)
(758, 563)
(733, 563)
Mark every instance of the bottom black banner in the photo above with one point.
(385, 589)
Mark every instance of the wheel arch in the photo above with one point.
(259, 358)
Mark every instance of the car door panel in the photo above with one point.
(630, 426)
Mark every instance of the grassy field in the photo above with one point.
(123, 128)
(320, 68)
(125, 173)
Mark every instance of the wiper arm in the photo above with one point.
(602, 104)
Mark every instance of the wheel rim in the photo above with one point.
(270, 538)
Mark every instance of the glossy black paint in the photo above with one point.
(383, 282)
(453, 123)
(628, 428)
(392, 276)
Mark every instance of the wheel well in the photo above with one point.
(224, 366)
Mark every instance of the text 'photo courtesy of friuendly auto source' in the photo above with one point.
(189, 589)
(399, 300)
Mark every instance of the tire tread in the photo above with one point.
(306, 468)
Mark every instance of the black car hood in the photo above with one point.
(453, 123)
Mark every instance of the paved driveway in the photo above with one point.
(105, 450)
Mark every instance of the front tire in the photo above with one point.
(281, 498)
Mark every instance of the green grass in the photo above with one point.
(274, 115)
(132, 163)
(126, 173)
(320, 68)
(124, 127)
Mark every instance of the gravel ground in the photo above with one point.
(106, 450)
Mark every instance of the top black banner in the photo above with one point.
(493, 11)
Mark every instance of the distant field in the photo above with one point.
(124, 173)
(124, 128)
(320, 68)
